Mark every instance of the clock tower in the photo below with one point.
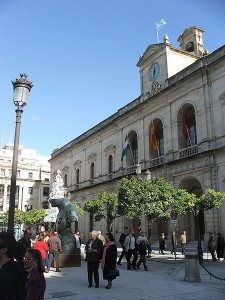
(161, 61)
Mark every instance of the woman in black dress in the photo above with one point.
(109, 259)
(220, 246)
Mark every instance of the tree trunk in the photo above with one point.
(197, 229)
(149, 230)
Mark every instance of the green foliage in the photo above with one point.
(78, 208)
(19, 217)
(105, 207)
(150, 198)
(211, 199)
(34, 217)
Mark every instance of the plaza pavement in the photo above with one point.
(163, 280)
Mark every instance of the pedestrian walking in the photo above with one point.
(22, 245)
(77, 241)
(94, 250)
(101, 237)
(183, 240)
(46, 238)
(54, 245)
(220, 245)
(35, 284)
(212, 247)
(162, 243)
(109, 259)
(12, 276)
(142, 243)
(131, 250)
(122, 238)
(41, 245)
(174, 242)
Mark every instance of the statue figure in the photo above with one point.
(67, 214)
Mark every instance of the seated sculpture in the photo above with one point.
(67, 214)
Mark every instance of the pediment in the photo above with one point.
(92, 157)
(222, 98)
(110, 149)
(65, 169)
(149, 52)
(77, 163)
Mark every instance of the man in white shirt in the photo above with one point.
(130, 245)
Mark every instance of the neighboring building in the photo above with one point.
(182, 105)
(33, 178)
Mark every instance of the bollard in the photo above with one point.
(192, 273)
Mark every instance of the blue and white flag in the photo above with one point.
(126, 147)
(160, 24)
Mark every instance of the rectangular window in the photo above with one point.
(30, 175)
(2, 172)
(30, 190)
(18, 173)
(45, 191)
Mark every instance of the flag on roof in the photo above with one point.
(160, 24)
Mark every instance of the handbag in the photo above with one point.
(114, 273)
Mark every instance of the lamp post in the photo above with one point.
(21, 89)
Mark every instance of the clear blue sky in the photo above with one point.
(81, 56)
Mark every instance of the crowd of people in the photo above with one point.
(23, 262)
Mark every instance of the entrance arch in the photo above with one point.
(193, 186)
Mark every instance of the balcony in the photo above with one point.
(157, 161)
(188, 151)
(131, 170)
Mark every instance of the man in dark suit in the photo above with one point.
(94, 250)
(12, 276)
(122, 238)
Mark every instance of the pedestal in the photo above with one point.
(68, 260)
(192, 273)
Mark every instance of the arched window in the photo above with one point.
(92, 171)
(190, 47)
(132, 155)
(65, 180)
(187, 127)
(191, 126)
(110, 164)
(77, 176)
(156, 139)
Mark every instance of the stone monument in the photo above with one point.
(67, 213)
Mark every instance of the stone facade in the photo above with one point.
(33, 178)
(183, 100)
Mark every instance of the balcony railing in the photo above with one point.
(157, 161)
(131, 170)
(189, 151)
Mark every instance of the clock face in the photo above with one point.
(154, 71)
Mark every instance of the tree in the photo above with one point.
(34, 217)
(153, 199)
(19, 217)
(105, 207)
(190, 202)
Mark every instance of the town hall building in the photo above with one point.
(181, 102)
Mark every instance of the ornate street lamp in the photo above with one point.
(21, 89)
